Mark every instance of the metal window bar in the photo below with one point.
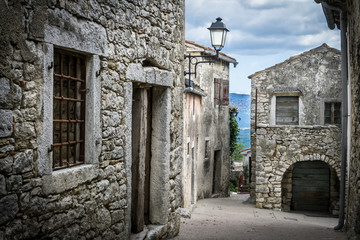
(69, 109)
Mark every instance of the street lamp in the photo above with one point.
(218, 33)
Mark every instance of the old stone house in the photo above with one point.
(90, 118)
(206, 165)
(345, 15)
(296, 132)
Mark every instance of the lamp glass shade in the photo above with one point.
(218, 37)
(218, 33)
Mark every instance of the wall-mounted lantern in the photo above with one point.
(218, 32)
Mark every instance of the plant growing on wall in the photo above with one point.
(236, 156)
(234, 129)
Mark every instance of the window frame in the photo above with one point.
(67, 178)
(332, 112)
(297, 111)
(221, 92)
(286, 92)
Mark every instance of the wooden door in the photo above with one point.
(311, 186)
(141, 156)
(216, 188)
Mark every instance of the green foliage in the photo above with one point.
(234, 129)
(236, 156)
(232, 186)
(246, 172)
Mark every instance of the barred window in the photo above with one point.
(69, 109)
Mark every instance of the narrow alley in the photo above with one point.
(234, 218)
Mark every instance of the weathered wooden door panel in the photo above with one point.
(216, 188)
(311, 186)
(140, 169)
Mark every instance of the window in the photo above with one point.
(217, 88)
(225, 92)
(69, 89)
(287, 110)
(332, 113)
(221, 91)
(207, 149)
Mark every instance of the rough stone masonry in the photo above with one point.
(123, 42)
(313, 80)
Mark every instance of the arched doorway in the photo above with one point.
(311, 186)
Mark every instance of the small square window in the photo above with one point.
(332, 113)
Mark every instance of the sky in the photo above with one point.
(262, 32)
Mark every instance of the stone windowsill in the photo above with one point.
(69, 178)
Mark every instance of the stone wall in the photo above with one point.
(279, 148)
(313, 76)
(207, 131)
(124, 42)
(353, 206)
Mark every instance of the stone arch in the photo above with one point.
(335, 165)
(287, 186)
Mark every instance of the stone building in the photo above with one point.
(90, 118)
(345, 15)
(206, 165)
(296, 132)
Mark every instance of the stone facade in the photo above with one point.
(313, 78)
(126, 44)
(206, 165)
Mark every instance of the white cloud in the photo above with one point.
(330, 37)
(262, 32)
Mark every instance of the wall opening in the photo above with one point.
(192, 175)
(141, 158)
(216, 186)
(310, 186)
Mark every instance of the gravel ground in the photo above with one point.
(234, 218)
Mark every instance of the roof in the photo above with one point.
(324, 45)
(211, 51)
(244, 150)
(332, 14)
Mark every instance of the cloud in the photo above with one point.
(267, 30)
(323, 36)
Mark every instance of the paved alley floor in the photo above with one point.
(233, 218)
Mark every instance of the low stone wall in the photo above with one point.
(279, 147)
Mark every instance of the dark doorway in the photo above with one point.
(192, 176)
(141, 156)
(216, 188)
(311, 186)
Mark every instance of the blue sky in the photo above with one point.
(262, 32)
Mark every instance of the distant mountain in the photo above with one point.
(243, 103)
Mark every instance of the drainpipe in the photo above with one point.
(344, 77)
